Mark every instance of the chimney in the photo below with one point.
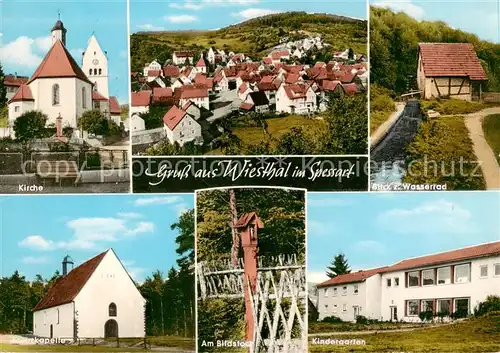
(66, 261)
(59, 126)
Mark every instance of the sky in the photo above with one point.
(215, 14)
(36, 232)
(380, 229)
(25, 27)
(480, 17)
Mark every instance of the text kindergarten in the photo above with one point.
(186, 174)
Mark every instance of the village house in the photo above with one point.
(296, 99)
(450, 70)
(243, 91)
(140, 102)
(196, 94)
(12, 84)
(137, 123)
(180, 127)
(183, 57)
(448, 282)
(216, 56)
(256, 101)
(97, 299)
(153, 67)
(115, 111)
(201, 67)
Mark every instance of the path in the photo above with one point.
(482, 149)
(383, 129)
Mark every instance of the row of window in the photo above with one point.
(355, 290)
(416, 306)
(95, 72)
(334, 308)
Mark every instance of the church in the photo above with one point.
(63, 90)
(97, 299)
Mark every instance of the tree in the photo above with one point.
(350, 54)
(3, 89)
(94, 122)
(154, 117)
(294, 142)
(338, 266)
(30, 125)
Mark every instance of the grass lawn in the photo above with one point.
(377, 118)
(453, 106)
(442, 153)
(277, 127)
(491, 128)
(475, 335)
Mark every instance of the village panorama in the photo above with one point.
(280, 84)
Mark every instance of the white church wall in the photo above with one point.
(80, 106)
(110, 283)
(61, 319)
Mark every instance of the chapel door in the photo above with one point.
(111, 328)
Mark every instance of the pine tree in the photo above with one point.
(339, 266)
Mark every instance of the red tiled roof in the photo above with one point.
(171, 71)
(201, 63)
(141, 98)
(243, 88)
(96, 96)
(194, 91)
(279, 54)
(448, 256)
(451, 59)
(114, 106)
(23, 93)
(154, 73)
(267, 79)
(16, 81)
(65, 289)
(246, 218)
(292, 78)
(296, 91)
(350, 88)
(352, 277)
(184, 54)
(160, 92)
(173, 117)
(330, 85)
(267, 61)
(59, 63)
(319, 64)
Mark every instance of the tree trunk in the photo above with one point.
(234, 219)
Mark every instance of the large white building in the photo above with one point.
(97, 299)
(61, 88)
(452, 281)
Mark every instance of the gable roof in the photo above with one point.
(59, 63)
(194, 91)
(114, 106)
(65, 289)
(451, 59)
(171, 71)
(14, 80)
(141, 98)
(259, 98)
(448, 256)
(201, 63)
(246, 218)
(352, 277)
(96, 96)
(23, 93)
(173, 117)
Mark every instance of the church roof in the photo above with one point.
(96, 96)
(59, 25)
(66, 288)
(59, 63)
(114, 106)
(23, 94)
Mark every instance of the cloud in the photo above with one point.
(253, 12)
(181, 19)
(440, 217)
(157, 200)
(186, 5)
(316, 277)
(231, 2)
(148, 27)
(35, 260)
(24, 51)
(36, 242)
(327, 202)
(129, 215)
(142, 227)
(405, 6)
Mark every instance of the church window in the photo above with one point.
(57, 316)
(90, 72)
(95, 71)
(55, 94)
(112, 309)
(84, 96)
(100, 71)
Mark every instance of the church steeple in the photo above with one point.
(58, 31)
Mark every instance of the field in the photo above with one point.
(453, 106)
(475, 335)
(442, 153)
(491, 128)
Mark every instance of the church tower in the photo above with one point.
(95, 66)
(59, 32)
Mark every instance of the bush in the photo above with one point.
(459, 314)
(30, 125)
(426, 316)
(362, 320)
(332, 320)
(491, 304)
(94, 122)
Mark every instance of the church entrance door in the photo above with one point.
(111, 328)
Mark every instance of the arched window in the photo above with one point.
(100, 71)
(95, 86)
(112, 309)
(95, 71)
(57, 316)
(90, 72)
(55, 94)
(84, 98)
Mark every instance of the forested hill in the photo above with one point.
(394, 39)
(253, 37)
